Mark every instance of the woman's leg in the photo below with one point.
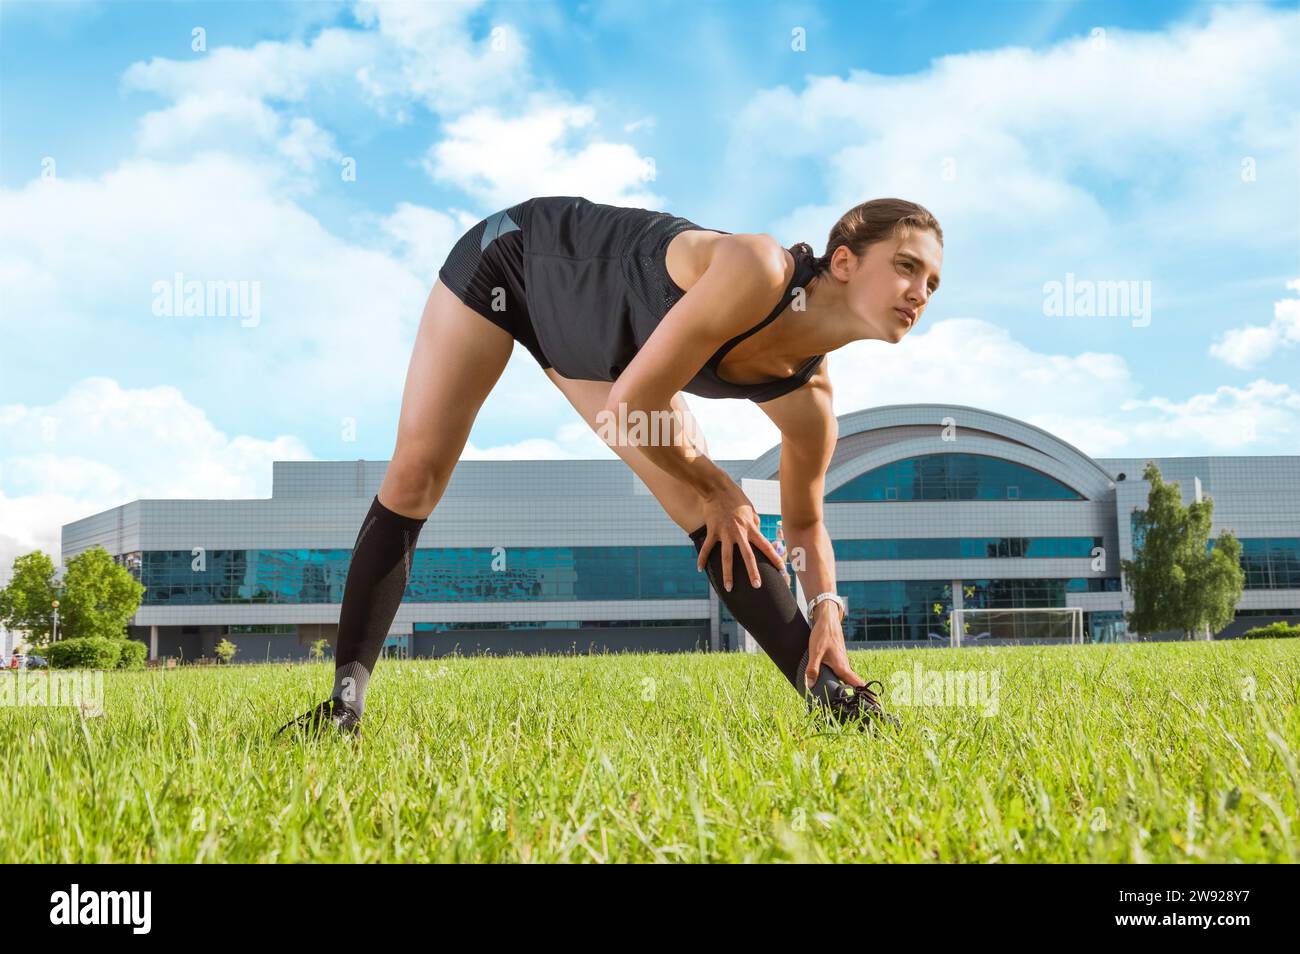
(457, 358)
(680, 501)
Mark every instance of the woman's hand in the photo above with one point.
(731, 520)
(826, 645)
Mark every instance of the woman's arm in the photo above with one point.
(809, 431)
(743, 280)
(743, 277)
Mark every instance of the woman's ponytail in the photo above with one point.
(804, 250)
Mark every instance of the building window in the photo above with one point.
(952, 477)
(559, 624)
(438, 575)
(964, 548)
(1270, 563)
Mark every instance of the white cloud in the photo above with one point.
(422, 237)
(1075, 157)
(238, 125)
(1019, 119)
(1250, 345)
(1090, 400)
(91, 251)
(219, 119)
(433, 58)
(408, 53)
(100, 445)
(537, 448)
(270, 70)
(337, 320)
(239, 101)
(232, 97)
(502, 160)
(305, 144)
(1261, 416)
(236, 100)
(961, 361)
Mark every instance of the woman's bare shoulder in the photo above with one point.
(691, 252)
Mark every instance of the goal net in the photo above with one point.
(1006, 627)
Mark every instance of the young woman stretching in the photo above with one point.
(624, 308)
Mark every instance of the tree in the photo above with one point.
(225, 650)
(99, 596)
(25, 604)
(1215, 579)
(1179, 580)
(318, 648)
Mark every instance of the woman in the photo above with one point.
(624, 309)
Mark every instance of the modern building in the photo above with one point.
(928, 507)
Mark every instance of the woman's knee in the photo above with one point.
(413, 484)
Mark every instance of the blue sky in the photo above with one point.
(1154, 143)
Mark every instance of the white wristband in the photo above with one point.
(822, 598)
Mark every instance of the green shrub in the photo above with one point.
(1278, 630)
(91, 652)
(133, 654)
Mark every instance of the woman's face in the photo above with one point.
(894, 277)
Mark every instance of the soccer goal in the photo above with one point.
(973, 626)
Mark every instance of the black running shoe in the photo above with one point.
(852, 703)
(331, 712)
(845, 703)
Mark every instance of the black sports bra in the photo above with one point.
(708, 382)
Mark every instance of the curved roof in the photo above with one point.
(881, 435)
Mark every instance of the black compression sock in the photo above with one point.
(771, 614)
(381, 566)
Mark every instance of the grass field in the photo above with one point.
(1149, 752)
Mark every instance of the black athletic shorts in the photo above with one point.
(485, 270)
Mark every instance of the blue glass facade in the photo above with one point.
(452, 575)
(899, 609)
(952, 477)
(964, 548)
(1270, 563)
(456, 627)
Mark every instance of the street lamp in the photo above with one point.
(55, 604)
